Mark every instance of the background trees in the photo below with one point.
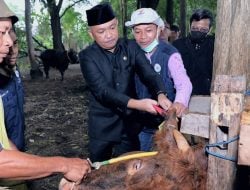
(62, 24)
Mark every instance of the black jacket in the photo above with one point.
(198, 62)
(110, 77)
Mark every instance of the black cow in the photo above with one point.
(58, 59)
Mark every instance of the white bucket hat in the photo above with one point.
(5, 12)
(145, 16)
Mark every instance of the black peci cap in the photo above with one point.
(100, 14)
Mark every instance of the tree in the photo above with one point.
(147, 4)
(35, 72)
(123, 11)
(55, 19)
(71, 23)
(169, 12)
(54, 10)
(183, 17)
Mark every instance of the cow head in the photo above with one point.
(73, 57)
(176, 166)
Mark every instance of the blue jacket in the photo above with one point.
(159, 61)
(13, 100)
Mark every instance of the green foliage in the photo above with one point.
(42, 30)
(131, 6)
(161, 8)
(75, 30)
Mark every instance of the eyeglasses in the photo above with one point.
(205, 30)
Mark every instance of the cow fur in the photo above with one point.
(170, 169)
(58, 59)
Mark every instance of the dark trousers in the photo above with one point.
(101, 150)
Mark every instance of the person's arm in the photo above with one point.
(182, 83)
(19, 165)
(142, 105)
(12, 145)
(151, 79)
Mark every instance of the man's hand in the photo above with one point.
(76, 169)
(143, 105)
(164, 102)
(180, 108)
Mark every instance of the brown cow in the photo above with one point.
(175, 167)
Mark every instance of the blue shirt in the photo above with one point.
(13, 100)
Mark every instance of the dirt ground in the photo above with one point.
(55, 115)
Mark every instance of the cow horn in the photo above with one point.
(181, 142)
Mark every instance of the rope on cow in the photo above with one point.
(97, 165)
(218, 145)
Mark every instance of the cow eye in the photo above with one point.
(137, 165)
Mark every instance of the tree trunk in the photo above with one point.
(169, 12)
(183, 8)
(55, 23)
(123, 8)
(34, 72)
(147, 4)
(231, 56)
(230, 81)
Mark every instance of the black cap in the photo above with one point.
(100, 14)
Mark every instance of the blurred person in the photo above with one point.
(165, 32)
(197, 51)
(175, 33)
(13, 97)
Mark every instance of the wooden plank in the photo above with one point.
(247, 103)
(200, 104)
(195, 124)
(196, 121)
(227, 83)
(244, 142)
(224, 106)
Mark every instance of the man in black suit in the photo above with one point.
(109, 66)
(197, 51)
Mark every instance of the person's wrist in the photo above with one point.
(62, 166)
(161, 95)
(160, 92)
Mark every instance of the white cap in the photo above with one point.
(145, 16)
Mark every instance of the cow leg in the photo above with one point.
(62, 75)
(46, 70)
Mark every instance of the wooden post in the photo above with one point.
(227, 102)
(231, 78)
(244, 142)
